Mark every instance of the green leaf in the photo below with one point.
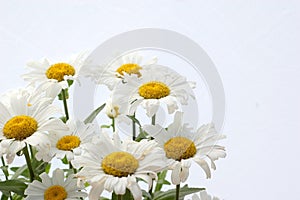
(146, 194)
(134, 120)
(65, 160)
(17, 197)
(171, 194)
(94, 114)
(15, 186)
(4, 197)
(20, 171)
(105, 126)
(70, 82)
(5, 170)
(104, 198)
(142, 135)
(161, 180)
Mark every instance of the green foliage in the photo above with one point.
(171, 194)
(161, 180)
(94, 114)
(15, 186)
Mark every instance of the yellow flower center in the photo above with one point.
(154, 90)
(68, 143)
(55, 192)
(20, 127)
(179, 148)
(120, 164)
(59, 70)
(129, 68)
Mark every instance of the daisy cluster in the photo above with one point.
(97, 158)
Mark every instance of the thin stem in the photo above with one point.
(4, 165)
(113, 125)
(120, 197)
(5, 174)
(177, 191)
(64, 96)
(28, 161)
(153, 120)
(133, 129)
(31, 151)
(71, 167)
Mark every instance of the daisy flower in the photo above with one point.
(55, 73)
(55, 188)
(182, 145)
(204, 196)
(158, 85)
(110, 75)
(114, 165)
(72, 142)
(33, 95)
(22, 123)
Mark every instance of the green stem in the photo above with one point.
(133, 129)
(4, 165)
(64, 96)
(177, 191)
(5, 174)
(153, 120)
(71, 167)
(28, 161)
(120, 197)
(31, 151)
(113, 125)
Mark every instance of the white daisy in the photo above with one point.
(111, 74)
(33, 95)
(72, 142)
(158, 85)
(114, 165)
(204, 196)
(182, 145)
(22, 123)
(55, 188)
(55, 73)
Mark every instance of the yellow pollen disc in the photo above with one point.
(68, 143)
(129, 68)
(179, 148)
(154, 90)
(55, 192)
(120, 164)
(59, 70)
(20, 127)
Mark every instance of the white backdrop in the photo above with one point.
(254, 44)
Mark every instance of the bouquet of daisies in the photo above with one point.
(101, 161)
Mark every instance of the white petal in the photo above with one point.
(175, 176)
(96, 191)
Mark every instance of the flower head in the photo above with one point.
(23, 123)
(110, 75)
(158, 85)
(55, 73)
(72, 142)
(182, 145)
(114, 165)
(55, 188)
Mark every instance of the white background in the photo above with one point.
(254, 44)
